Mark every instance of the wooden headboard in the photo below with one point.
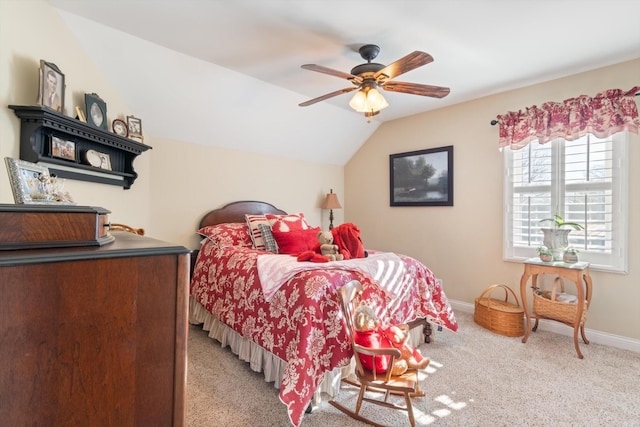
(235, 212)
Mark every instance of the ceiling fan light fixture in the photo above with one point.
(368, 77)
(375, 100)
(359, 101)
(367, 100)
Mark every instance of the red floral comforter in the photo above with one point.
(301, 324)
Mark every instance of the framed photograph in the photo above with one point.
(422, 178)
(135, 128)
(120, 127)
(96, 110)
(51, 93)
(105, 161)
(28, 182)
(63, 149)
(80, 115)
(97, 159)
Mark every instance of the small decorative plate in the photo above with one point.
(95, 159)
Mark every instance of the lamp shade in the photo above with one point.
(331, 201)
(367, 100)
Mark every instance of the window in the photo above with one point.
(584, 181)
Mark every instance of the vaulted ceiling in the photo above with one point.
(229, 71)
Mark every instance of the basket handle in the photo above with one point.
(507, 290)
(554, 288)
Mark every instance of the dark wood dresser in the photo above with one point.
(94, 335)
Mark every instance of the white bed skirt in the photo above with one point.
(261, 360)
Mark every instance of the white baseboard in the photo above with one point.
(594, 336)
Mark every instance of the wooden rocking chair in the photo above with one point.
(405, 384)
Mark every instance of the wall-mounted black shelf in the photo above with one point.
(39, 124)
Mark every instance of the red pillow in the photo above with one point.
(290, 222)
(229, 234)
(296, 241)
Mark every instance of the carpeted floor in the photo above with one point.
(476, 378)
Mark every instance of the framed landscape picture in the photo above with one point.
(422, 178)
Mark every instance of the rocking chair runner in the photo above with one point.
(124, 227)
(405, 384)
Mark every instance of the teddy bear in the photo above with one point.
(327, 248)
(369, 333)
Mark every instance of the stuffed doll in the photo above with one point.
(369, 333)
(399, 335)
(327, 248)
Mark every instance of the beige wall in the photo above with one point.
(177, 182)
(463, 244)
(189, 180)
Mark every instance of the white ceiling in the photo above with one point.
(231, 69)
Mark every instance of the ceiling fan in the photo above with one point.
(370, 76)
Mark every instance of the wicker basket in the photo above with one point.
(545, 305)
(501, 317)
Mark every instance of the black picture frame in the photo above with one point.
(52, 86)
(96, 110)
(422, 178)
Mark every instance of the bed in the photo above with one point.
(283, 316)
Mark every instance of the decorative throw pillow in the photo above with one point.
(290, 222)
(297, 241)
(267, 237)
(256, 235)
(224, 235)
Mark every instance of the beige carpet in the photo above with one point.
(476, 378)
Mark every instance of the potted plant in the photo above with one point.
(545, 254)
(570, 255)
(556, 237)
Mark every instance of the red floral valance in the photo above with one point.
(603, 115)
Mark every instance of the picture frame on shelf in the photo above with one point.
(105, 161)
(96, 110)
(80, 115)
(97, 159)
(134, 124)
(120, 128)
(52, 86)
(422, 178)
(32, 184)
(63, 149)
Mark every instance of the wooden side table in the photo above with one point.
(577, 273)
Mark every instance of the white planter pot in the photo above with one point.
(557, 241)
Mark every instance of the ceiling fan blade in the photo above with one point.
(332, 72)
(407, 63)
(416, 89)
(327, 96)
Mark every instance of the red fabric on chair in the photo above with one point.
(373, 339)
